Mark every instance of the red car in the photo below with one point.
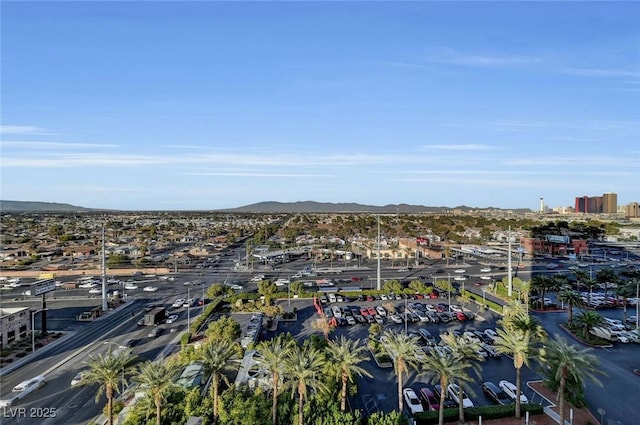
(364, 311)
(372, 311)
(419, 296)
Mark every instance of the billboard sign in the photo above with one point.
(558, 239)
(43, 286)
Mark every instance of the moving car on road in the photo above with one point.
(150, 289)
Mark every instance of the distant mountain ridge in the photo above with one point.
(269, 207)
(35, 206)
(329, 207)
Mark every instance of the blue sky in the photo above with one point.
(209, 105)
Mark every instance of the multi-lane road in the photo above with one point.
(62, 362)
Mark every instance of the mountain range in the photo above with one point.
(263, 207)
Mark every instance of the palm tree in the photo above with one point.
(518, 344)
(107, 371)
(218, 359)
(302, 367)
(444, 367)
(344, 357)
(157, 379)
(571, 298)
(467, 353)
(272, 355)
(402, 348)
(570, 363)
(589, 320)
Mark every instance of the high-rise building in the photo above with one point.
(589, 204)
(632, 210)
(610, 203)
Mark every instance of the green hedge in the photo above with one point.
(208, 310)
(472, 413)
(490, 304)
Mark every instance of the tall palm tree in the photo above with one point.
(402, 348)
(571, 298)
(570, 363)
(518, 344)
(108, 372)
(443, 367)
(157, 379)
(218, 359)
(467, 353)
(302, 367)
(589, 320)
(272, 355)
(344, 357)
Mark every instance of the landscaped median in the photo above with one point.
(473, 413)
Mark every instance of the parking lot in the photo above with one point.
(380, 392)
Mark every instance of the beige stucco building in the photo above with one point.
(14, 324)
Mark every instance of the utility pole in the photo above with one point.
(378, 283)
(509, 276)
(105, 307)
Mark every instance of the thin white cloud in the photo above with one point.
(463, 147)
(51, 145)
(249, 174)
(24, 130)
(482, 60)
(602, 72)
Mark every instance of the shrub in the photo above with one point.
(472, 413)
(5, 353)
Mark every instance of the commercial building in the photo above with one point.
(14, 324)
(605, 204)
(632, 210)
(610, 203)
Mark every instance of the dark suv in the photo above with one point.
(495, 393)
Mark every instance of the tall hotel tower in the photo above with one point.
(610, 203)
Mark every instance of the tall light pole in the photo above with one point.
(121, 347)
(188, 307)
(449, 291)
(289, 292)
(378, 283)
(105, 306)
(33, 329)
(509, 276)
(637, 304)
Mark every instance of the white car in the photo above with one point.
(381, 311)
(453, 390)
(510, 389)
(485, 277)
(395, 318)
(178, 303)
(130, 286)
(412, 401)
(87, 285)
(23, 389)
(172, 318)
(95, 291)
(460, 278)
(77, 379)
(150, 289)
(486, 270)
(459, 271)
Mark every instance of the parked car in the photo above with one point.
(429, 399)
(412, 401)
(448, 402)
(496, 393)
(453, 390)
(510, 389)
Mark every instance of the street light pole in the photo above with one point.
(449, 291)
(33, 329)
(289, 292)
(188, 307)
